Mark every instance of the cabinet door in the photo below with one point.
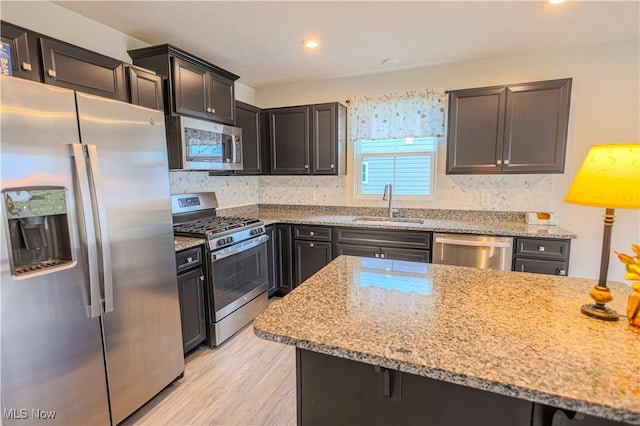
(191, 294)
(79, 69)
(324, 139)
(285, 256)
(310, 257)
(145, 88)
(405, 254)
(539, 266)
(24, 51)
(272, 259)
(476, 128)
(190, 89)
(536, 120)
(540, 248)
(356, 250)
(248, 119)
(289, 139)
(221, 102)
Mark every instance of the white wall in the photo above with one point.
(605, 107)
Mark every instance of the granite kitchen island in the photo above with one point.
(382, 341)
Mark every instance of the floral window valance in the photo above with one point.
(418, 113)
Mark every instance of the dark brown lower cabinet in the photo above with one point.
(337, 391)
(284, 250)
(191, 296)
(272, 259)
(542, 256)
(310, 257)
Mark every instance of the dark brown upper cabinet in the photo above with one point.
(248, 119)
(196, 87)
(520, 128)
(308, 139)
(145, 88)
(25, 60)
(73, 67)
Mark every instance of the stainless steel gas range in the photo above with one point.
(235, 262)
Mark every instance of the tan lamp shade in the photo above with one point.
(609, 177)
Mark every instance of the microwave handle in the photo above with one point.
(234, 149)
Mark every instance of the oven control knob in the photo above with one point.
(221, 242)
(229, 240)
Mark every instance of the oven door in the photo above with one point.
(238, 274)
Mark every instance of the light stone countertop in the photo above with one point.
(182, 243)
(512, 333)
(464, 226)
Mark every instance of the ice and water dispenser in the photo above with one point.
(38, 229)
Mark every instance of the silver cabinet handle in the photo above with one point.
(189, 259)
(26, 66)
(104, 243)
(51, 73)
(562, 272)
(540, 248)
(87, 230)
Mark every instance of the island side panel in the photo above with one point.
(338, 391)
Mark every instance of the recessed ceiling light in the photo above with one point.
(311, 43)
(390, 62)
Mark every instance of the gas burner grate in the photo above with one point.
(212, 226)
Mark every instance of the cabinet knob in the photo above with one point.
(213, 110)
(312, 233)
(51, 73)
(382, 256)
(506, 162)
(306, 166)
(376, 255)
(562, 272)
(310, 244)
(208, 109)
(201, 277)
(499, 162)
(333, 166)
(540, 248)
(26, 66)
(189, 259)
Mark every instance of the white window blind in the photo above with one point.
(408, 164)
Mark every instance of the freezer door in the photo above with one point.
(52, 360)
(143, 336)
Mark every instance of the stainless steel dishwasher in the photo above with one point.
(478, 251)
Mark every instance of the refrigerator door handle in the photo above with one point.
(87, 230)
(100, 212)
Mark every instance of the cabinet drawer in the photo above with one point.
(537, 266)
(395, 238)
(189, 258)
(542, 249)
(315, 233)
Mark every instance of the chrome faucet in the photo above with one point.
(388, 195)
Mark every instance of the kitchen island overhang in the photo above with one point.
(512, 334)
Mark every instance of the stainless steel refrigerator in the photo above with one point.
(89, 301)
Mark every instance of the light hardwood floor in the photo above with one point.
(245, 381)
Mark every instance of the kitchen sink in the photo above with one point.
(385, 219)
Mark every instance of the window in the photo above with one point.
(408, 164)
(395, 139)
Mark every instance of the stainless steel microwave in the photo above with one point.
(195, 144)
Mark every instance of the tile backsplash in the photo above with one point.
(466, 192)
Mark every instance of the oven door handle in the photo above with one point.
(238, 248)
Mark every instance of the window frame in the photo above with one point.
(358, 165)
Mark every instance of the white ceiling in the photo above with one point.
(261, 41)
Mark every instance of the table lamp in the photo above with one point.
(609, 177)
